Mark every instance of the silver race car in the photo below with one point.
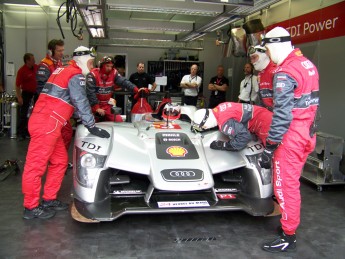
(152, 166)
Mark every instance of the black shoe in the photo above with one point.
(38, 212)
(54, 204)
(283, 243)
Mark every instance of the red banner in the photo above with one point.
(322, 24)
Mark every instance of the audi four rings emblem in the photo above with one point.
(181, 174)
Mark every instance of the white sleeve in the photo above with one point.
(198, 81)
(185, 79)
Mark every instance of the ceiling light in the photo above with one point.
(147, 9)
(92, 16)
(193, 36)
(97, 32)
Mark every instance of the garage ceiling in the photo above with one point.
(156, 22)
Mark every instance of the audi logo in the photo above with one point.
(182, 174)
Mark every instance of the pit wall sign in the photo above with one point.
(322, 24)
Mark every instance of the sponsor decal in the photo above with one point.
(280, 85)
(128, 192)
(256, 147)
(82, 83)
(183, 175)
(176, 151)
(223, 106)
(280, 77)
(225, 190)
(90, 146)
(58, 70)
(183, 204)
(279, 188)
(163, 125)
(325, 23)
(226, 196)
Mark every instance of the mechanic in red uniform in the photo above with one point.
(46, 67)
(100, 86)
(61, 96)
(266, 67)
(291, 137)
(25, 91)
(236, 120)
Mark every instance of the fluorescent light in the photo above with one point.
(147, 9)
(22, 5)
(92, 16)
(97, 32)
(193, 36)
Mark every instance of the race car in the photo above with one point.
(160, 166)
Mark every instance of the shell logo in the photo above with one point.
(177, 151)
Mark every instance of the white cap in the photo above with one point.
(81, 56)
(263, 60)
(205, 119)
(278, 41)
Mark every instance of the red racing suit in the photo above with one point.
(100, 88)
(63, 92)
(238, 120)
(45, 68)
(296, 99)
(265, 78)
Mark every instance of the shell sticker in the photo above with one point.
(177, 151)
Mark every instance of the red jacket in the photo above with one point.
(256, 119)
(265, 78)
(295, 92)
(65, 90)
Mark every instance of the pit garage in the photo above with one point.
(141, 177)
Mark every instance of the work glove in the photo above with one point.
(221, 145)
(265, 159)
(98, 132)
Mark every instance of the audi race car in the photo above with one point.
(152, 166)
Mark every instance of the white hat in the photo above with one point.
(263, 60)
(81, 56)
(204, 119)
(278, 41)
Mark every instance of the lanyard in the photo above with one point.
(219, 80)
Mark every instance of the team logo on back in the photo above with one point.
(58, 70)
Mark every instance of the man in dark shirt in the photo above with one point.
(218, 85)
(142, 79)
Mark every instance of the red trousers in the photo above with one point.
(46, 148)
(67, 134)
(108, 115)
(288, 162)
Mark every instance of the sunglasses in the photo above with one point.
(92, 52)
(253, 49)
(275, 40)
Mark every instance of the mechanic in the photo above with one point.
(25, 91)
(266, 67)
(249, 85)
(292, 133)
(100, 85)
(46, 67)
(142, 79)
(190, 85)
(218, 86)
(236, 120)
(61, 96)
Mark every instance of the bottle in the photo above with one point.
(128, 109)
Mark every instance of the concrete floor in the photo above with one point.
(230, 235)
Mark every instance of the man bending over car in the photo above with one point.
(236, 120)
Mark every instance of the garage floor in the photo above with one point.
(225, 235)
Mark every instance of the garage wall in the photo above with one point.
(211, 55)
(29, 29)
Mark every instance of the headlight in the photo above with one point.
(88, 161)
(87, 167)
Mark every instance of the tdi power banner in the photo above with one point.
(325, 23)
